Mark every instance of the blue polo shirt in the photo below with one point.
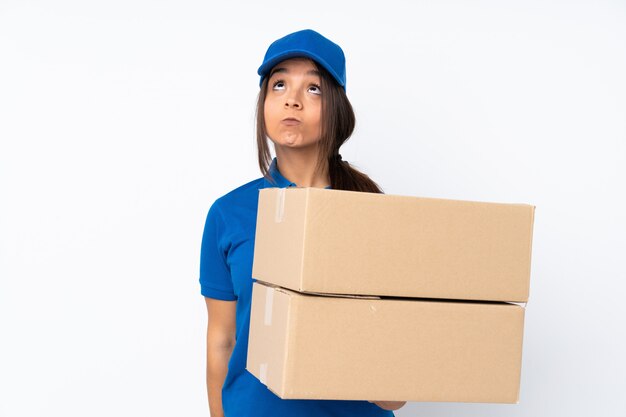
(226, 274)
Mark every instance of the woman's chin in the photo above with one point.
(290, 143)
(293, 142)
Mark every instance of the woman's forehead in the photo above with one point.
(296, 64)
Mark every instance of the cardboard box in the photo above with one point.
(345, 242)
(306, 346)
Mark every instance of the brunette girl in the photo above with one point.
(304, 111)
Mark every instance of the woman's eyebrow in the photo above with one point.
(277, 70)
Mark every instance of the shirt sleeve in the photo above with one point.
(215, 277)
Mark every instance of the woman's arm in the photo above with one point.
(220, 341)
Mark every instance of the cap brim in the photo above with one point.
(264, 69)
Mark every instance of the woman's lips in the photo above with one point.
(290, 121)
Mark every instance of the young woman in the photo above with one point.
(303, 110)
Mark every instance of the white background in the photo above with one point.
(122, 121)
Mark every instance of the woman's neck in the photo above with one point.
(299, 168)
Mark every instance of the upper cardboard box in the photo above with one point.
(344, 242)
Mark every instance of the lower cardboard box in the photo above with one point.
(305, 346)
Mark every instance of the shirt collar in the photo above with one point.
(281, 181)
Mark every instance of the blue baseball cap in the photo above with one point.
(310, 44)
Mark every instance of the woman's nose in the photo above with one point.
(293, 102)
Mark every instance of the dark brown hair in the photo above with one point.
(337, 125)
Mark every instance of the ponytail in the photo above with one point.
(344, 177)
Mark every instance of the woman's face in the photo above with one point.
(293, 104)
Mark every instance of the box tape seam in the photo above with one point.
(263, 373)
(280, 205)
(269, 303)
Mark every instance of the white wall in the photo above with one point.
(122, 121)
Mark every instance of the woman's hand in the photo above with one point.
(389, 405)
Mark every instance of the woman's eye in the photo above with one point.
(315, 89)
(279, 85)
